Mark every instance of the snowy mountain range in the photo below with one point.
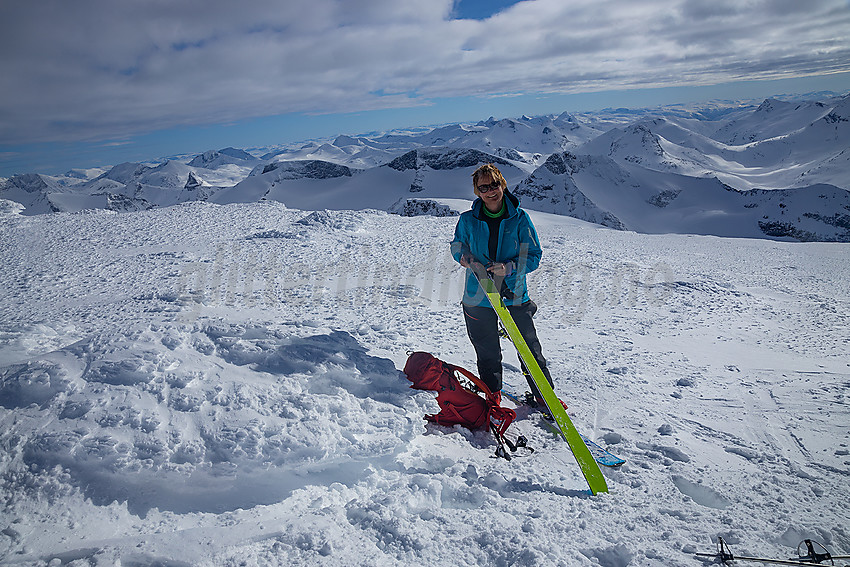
(778, 169)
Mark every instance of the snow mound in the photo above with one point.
(8, 207)
(209, 417)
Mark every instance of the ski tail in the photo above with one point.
(600, 455)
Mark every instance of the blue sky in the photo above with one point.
(96, 82)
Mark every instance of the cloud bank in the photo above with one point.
(100, 69)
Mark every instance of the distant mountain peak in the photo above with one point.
(771, 105)
(309, 169)
(125, 172)
(343, 140)
(29, 182)
(443, 159)
(194, 182)
(213, 158)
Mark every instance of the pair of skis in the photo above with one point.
(584, 458)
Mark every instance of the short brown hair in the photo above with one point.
(490, 171)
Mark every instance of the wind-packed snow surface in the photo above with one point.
(220, 385)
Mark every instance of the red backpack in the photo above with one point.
(463, 398)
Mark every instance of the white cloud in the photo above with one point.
(96, 69)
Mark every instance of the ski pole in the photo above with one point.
(500, 444)
(724, 554)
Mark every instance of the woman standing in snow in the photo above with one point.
(499, 236)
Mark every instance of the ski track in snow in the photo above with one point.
(221, 385)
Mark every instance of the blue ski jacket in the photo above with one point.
(518, 243)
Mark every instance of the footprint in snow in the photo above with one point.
(702, 495)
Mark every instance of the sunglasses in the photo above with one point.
(489, 187)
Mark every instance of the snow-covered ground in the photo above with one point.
(220, 385)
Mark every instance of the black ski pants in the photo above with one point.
(482, 325)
